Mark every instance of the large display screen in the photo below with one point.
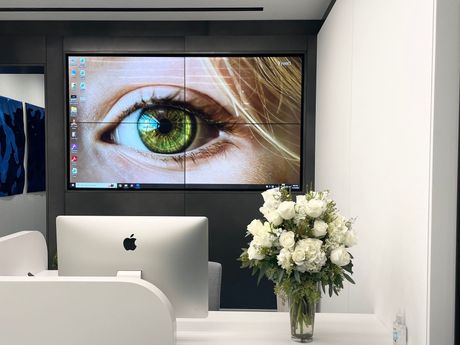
(193, 122)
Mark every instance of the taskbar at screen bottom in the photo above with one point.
(187, 186)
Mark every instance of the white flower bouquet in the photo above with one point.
(302, 245)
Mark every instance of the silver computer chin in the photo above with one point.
(171, 253)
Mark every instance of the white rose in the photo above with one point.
(319, 228)
(340, 256)
(265, 210)
(284, 259)
(274, 218)
(315, 208)
(287, 209)
(271, 194)
(266, 228)
(298, 256)
(255, 227)
(272, 198)
(302, 244)
(254, 253)
(263, 240)
(287, 239)
(350, 238)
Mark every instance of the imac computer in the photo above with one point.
(170, 252)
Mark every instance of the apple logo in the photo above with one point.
(129, 243)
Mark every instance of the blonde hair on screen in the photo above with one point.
(265, 91)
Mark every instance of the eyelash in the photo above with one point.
(222, 125)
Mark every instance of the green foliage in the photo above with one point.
(54, 263)
(286, 194)
(295, 283)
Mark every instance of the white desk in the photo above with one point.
(272, 328)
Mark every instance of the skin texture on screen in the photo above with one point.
(194, 120)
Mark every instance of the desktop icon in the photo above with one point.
(72, 61)
(73, 86)
(82, 85)
(73, 110)
(74, 147)
(74, 171)
(73, 99)
(82, 73)
(129, 243)
(74, 158)
(82, 60)
(73, 72)
(73, 135)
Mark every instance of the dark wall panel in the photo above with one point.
(124, 44)
(163, 28)
(22, 50)
(245, 44)
(125, 203)
(263, 28)
(228, 212)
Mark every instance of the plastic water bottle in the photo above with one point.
(400, 329)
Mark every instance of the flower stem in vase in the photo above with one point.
(302, 316)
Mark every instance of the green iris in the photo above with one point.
(166, 129)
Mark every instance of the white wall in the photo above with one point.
(378, 152)
(24, 211)
(333, 133)
(445, 106)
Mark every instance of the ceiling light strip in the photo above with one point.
(131, 9)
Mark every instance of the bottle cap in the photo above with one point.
(401, 317)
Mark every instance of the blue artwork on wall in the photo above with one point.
(12, 143)
(36, 148)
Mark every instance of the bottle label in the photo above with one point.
(396, 337)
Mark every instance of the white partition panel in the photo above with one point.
(22, 253)
(89, 311)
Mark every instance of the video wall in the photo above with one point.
(193, 122)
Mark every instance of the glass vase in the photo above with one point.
(302, 316)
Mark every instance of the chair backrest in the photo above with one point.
(23, 252)
(215, 282)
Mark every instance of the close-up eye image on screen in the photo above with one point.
(193, 122)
